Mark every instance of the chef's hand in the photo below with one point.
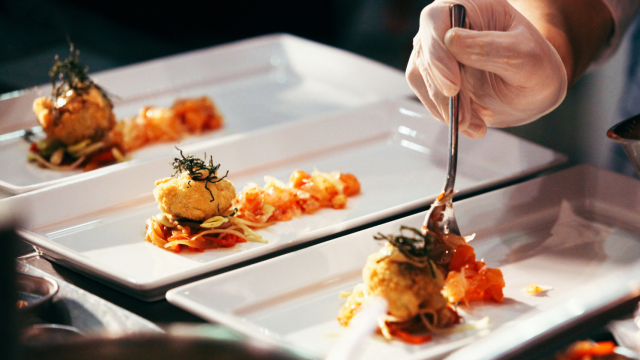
(511, 74)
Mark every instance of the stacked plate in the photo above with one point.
(292, 104)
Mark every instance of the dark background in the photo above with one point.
(117, 32)
(114, 33)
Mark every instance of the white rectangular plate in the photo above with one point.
(573, 230)
(255, 83)
(397, 151)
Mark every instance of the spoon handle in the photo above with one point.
(458, 15)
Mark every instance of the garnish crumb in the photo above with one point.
(534, 289)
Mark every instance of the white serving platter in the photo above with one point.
(398, 152)
(576, 230)
(255, 83)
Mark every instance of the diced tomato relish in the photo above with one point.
(227, 241)
(411, 339)
(351, 184)
(104, 156)
(583, 350)
(470, 280)
(304, 194)
(100, 159)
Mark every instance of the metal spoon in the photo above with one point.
(440, 217)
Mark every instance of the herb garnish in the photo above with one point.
(72, 76)
(416, 247)
(196, 167)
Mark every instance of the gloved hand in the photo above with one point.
(511, 74)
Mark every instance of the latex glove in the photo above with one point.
(511, 74)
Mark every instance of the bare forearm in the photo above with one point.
(577, 29)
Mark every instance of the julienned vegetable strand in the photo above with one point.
(416, 248)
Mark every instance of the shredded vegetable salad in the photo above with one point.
(213, 233)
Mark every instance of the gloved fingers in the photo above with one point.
(418, 84)
(438, 105)
(440, 101)
(478, 117)
(511, 73)
(508, 54)
(476, 129)
(464, 109)
(525, 75)
(442, 65)
(436, 102)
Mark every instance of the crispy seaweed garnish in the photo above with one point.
(197, 168)
(71, 75)
(415, 246)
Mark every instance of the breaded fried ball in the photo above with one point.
(187, 198)
(408, 288)
(79, 116)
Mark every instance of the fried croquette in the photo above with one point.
(407, 287)
(187, 198)
(79, 116)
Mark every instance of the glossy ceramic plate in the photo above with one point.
(572, 231)
(255, 83)
(397, 151)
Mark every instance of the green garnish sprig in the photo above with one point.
(415, 246)
(70, 74)
(196, 168)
